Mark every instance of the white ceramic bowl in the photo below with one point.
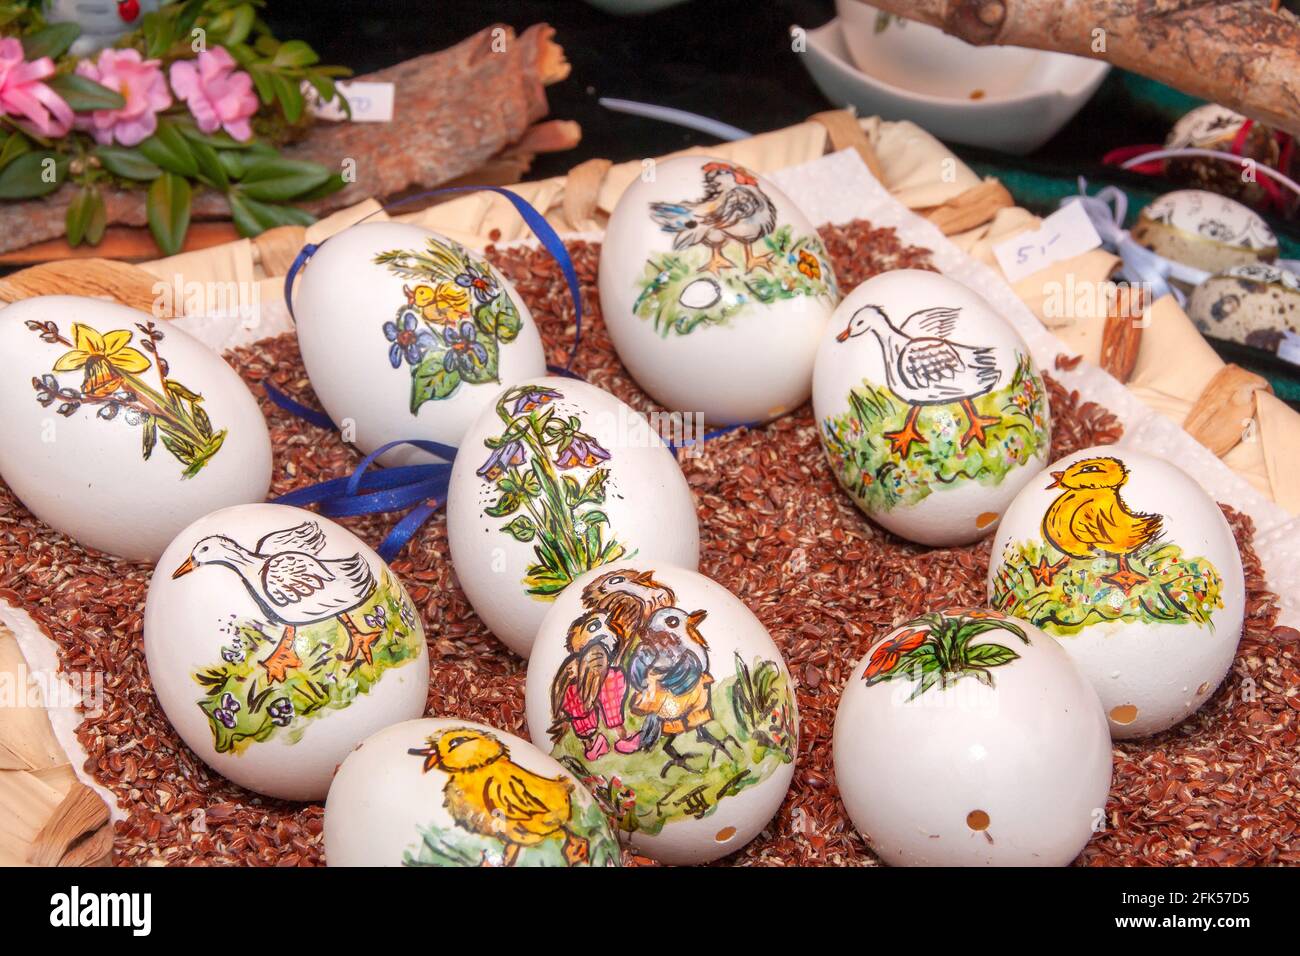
(917, 72)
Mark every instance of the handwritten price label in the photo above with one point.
(370, 102)
(1064, 234)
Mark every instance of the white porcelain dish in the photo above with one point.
(1024, 96)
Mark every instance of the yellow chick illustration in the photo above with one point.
(489, 794)
(441, 304)
(1090, 518)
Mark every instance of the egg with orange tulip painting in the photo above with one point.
(119, 428)
(929, 407)
(1125, 560)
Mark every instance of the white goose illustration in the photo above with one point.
(293, 587)
(922, 367)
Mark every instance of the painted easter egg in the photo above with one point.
(407, 334)
(966, 738)
(276, 641)
(1254, 305)
(668, 698)
(715, 289)
(1205, 230)
(1218, 128)
(555, 478)
(1125, 560)
(929, 407)
(119, 430)
(449, 792)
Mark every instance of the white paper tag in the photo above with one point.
(370, 102)
(1064, 234)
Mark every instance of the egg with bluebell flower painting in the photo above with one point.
(554, 478)
(408, 334)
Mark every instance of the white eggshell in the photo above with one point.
(217, 631)
(1155, 641)
(347, 303)
(907, 342)
(648, 508)
(734, 343)
(431, 793)
(1001, 759)
(88, 476)
(639, 623)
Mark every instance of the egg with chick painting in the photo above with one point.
(930, 408)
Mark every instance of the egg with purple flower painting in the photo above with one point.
(557, 477)
(407, 334)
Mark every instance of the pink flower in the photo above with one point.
(217, 94)
(140, 82)
(23, 95)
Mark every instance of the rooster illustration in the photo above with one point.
(734, 207)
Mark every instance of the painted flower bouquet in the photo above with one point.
(937, 649)
(196, 94)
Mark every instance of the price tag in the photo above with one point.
(370, 102)
(1064, 234)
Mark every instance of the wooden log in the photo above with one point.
(1244, 54)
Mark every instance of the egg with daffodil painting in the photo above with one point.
(929, 407)
(1124, 559)
(119, 428)
(715, 288)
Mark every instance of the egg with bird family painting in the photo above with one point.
(929, 407)
(715, 289)
(450, 792)
(407, 334)
(1124, 559)
(967, 738)
(668, 698)
(555, 478)
(277, 641)
(119, 428)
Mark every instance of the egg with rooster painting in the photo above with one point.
(121, 429)
(929, 406)
(667, 696)
(1125, 560)
(555, 478)
(276, 642)
(967, 738)
(449, 792)
(715, 289)
(406, 334)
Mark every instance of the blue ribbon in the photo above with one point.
(708, 436)
(319, 419)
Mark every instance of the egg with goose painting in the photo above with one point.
(715, 289)
(1123, 558)
(555, 478)
(119, 428)
(408, 334)
(276, 642)
(929, 406)
(667, 696)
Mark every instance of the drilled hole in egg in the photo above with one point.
(725, 834)
(986, 519)
(1124, 714)
(977, 820)
(1203, 688)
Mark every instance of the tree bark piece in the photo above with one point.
(1243, 54)
(1220, 417)
(972, 208)
(76, 819)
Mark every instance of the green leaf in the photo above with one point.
(333, 184)
(481, 372)
(150, 436)
(290, 97)
(218, 140)
(507, 504)
(14, 146)
(239, 24)
(294, 53)
(521, 529)
(572, 490)
(594, 518)
(32, 174)
(278, 179)
(593, 491)
(86, 217)
(84, 94)
(252, 218)
(127, 163)
(180, 391)
(430, 382)
(52, 41)
(990, 655)
(168, 208)
(170, 150)
(210, 169)
(264, 83)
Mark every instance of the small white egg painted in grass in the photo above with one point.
(276, 641)
(1124, 559)
(555, 478)
(929, 407)
(449, 792)
(666, 695)
(119, 429)
(715, 289)
(966, 738)
(408, 334)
